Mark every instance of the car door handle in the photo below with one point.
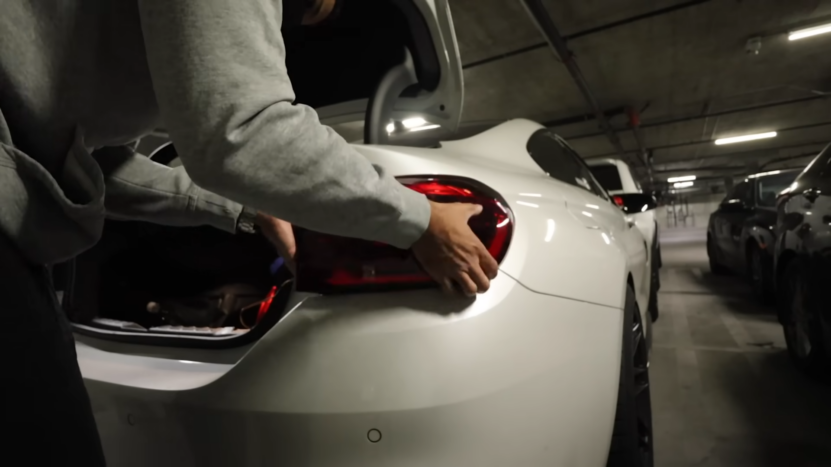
(811, 194)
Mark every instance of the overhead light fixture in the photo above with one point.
(685, 178)
(809, 32)
(683, 185)
(741, 139)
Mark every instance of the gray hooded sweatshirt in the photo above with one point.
(82, 79)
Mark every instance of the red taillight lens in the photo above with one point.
(618, 201)
(329, 263)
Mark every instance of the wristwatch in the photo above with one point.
(246, 222)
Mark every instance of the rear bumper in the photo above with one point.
(512, 378)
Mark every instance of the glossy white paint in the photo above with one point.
(627, 181)
(525, 374)
(575, 258)
(645, 221)
(530, 366)
(443, 380)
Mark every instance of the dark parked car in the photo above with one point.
(803, 266)
(741, 233)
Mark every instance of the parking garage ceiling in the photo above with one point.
(683, 69)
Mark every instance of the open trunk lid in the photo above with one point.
(378, 62)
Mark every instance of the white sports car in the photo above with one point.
(196, 353)
(616, 177)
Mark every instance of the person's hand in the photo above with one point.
(280, 234)
(451, 253)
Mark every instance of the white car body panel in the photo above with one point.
(645, 221)
(627, 181)
(531, 366)
(441, 379)
(526, 374)
(499, 159)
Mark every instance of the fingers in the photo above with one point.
(474, 210)
(488, 264)
(447, 286)
(467, 286)
(479, 278)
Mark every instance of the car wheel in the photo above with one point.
(632, 443)
(654, 285)
(712, 253)
(759, 275)
(803, 332)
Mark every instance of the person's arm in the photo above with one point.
(218, 69)
(140, 189)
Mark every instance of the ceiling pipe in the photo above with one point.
(720, 113)
(587, 32)
(752, 152)
(536, 10)
(565, 121)
(635, 123)
(706, 141)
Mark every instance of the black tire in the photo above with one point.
(632, 443)
(712, 253)
(654, 279)
(760, 274)
(801, 324)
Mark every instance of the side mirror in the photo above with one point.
(633, 203)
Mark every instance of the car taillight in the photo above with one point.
(330, 263)
(618, 201)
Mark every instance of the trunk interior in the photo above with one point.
(200, 287)
(152, 284)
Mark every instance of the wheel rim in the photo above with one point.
(643, 407)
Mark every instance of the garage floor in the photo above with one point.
(724, 393)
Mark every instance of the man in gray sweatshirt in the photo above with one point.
(78, 76)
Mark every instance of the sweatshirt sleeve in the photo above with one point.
(218, 70)
(139, 189)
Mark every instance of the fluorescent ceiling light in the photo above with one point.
(741, 139)
(683, 185)
(809, 32)
(685, 178)
(411, 123)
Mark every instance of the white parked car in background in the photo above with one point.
(616, 177)
(196, 353)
